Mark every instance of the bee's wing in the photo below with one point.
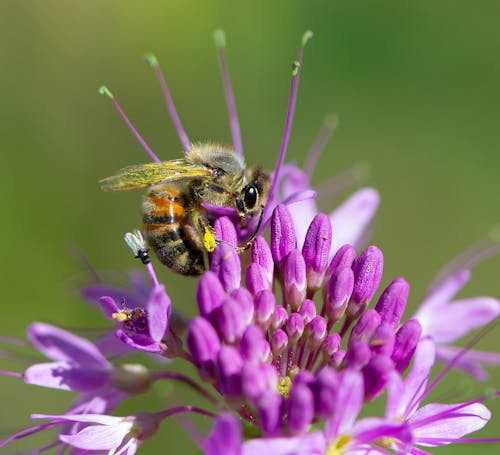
(143, 175)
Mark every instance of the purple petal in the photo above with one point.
(350, 220)
(57, 344)
(108, 306)
(436, 422)
(86, 418)
(348, 403)
(159, 308)
(444, 292)
(140, 342)
(471, 362)
(65, 376)
(417, 378)
(98, 437)
(94, 292)
(451, 322)
(309, 444)
(225, 437)
(370, 429)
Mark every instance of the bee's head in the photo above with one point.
(253, 196)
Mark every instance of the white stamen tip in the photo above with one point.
(306, 37)
(331, 121)
(151, 59)
(220, 38)
(295, 68)
(135, 241)
(103, 90)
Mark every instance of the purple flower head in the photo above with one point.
(292, 353)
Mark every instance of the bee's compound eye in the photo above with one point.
(250, 197)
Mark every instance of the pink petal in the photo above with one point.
(350, 220)
(309, 444)
(453, 321)
(86, 418)
(98, 437)
(471, 361)
(57, 344)
(65, 376)
(159, 308)
(443, 293)
(348, 403)
(395, 407)
(108, 306)
(436, 423)
(415, 382)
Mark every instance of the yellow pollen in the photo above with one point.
(284, 386)
(336, 448)
(122, 316)
(209, 240)
(385, 442)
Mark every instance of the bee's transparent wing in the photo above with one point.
(143, 175)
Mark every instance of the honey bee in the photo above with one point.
(176, 223)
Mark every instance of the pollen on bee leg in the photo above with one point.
(136, 243)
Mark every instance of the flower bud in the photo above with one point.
(376, 375)
(337, 292)
(279, 342)
(245, 301)
(279, 318)
(256, 379)
(204, 345)
(264, 308)
(382, 341)
(317, 332)
(282, 234)
(294, 279)
(342, 259)
(307, 310)
(391, 304)
(209, 293)
(261, 254)
(229, 366)
(358, 355)
(269, 408)
(325, 389)
(230, 321)
(407, 338)
(256, 278)
(225, 232)
(367, 270)
(294, 327)
(316, 250)
(254, 348)
(300, 408)
(226, 265)
(365, 327)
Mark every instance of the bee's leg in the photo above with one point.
(243, 248)
(206, 232)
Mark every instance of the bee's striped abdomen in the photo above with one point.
(168, 231)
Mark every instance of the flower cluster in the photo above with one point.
(288, 346)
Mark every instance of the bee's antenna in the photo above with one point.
(153, 62)
(220, 44)
(105, 91)
(292, 99)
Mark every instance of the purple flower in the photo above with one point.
(79, 366)
(121, 435)
(434, 424)
(446, 320)
(293, 352)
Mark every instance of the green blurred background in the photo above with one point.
(416, 86)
